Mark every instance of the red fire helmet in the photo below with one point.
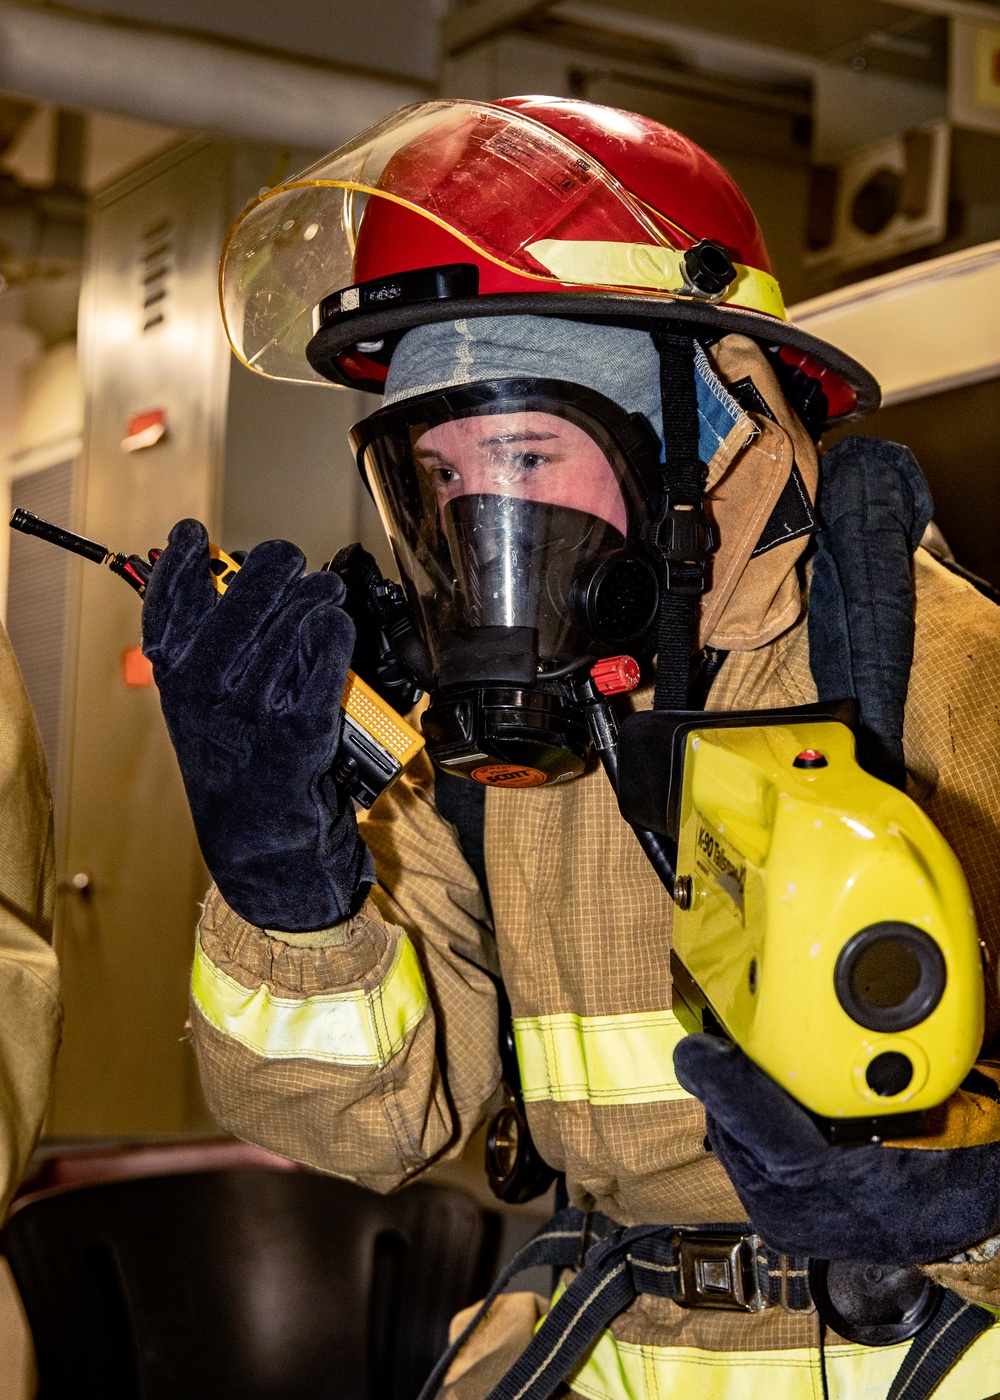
(530, 205)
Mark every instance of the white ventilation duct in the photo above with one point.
(922, 329)
(178, 81)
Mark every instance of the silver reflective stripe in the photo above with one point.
(617, 1370)
(602, 1059)
(340, 1028)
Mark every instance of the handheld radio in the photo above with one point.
(376, 743)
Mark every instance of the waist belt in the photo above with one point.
(707, 1266)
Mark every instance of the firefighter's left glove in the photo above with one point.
(885, 1204)
(250, 685)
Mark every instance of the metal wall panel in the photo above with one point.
(254, 459)
(150, 338)
(290, 472)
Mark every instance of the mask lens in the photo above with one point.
(522, 456)
(503, 517)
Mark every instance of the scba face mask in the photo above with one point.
(519, 513)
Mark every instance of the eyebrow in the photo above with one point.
(503, 438)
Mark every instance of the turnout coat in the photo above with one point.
(30, 1013)
(369, 1050)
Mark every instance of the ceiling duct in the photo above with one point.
(179, 81)
(922, 329)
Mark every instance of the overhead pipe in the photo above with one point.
(176, 80)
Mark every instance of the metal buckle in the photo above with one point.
(717, 1271)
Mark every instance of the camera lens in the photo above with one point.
(890, 976)
(885, 974)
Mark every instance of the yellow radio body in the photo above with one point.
(376, 741)
(829, 927)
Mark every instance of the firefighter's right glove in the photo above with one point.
(250, 684)
(885, 1203)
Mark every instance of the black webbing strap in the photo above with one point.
(615, 1265)
(603, 1288)
(682, 536)
(557, 1243)
(938, 1346)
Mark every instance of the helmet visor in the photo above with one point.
(464, 165)
(509, 504)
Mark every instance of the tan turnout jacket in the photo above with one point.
(30, 1017)
(370, 1050)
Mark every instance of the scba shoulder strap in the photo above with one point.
(683, 536)
(874, 505)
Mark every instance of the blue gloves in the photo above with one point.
(883, 1204)
(250, 685)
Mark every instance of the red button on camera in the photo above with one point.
(809, 758)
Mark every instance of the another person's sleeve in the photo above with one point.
(368, 1050)
(30, 1017)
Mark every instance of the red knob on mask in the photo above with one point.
(615, 674)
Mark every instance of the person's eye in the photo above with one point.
(524, 461)
(444, 476)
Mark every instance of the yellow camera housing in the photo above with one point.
(829, 927)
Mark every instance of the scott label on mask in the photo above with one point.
(508, 775)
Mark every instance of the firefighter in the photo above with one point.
(598, 437)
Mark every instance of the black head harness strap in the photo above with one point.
(683, 535)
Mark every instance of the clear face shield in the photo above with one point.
(518, 512)
(461, 165)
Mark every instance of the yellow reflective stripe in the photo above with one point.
(599, 264)
(602, 1059)
(625, 1371)
(339, 1028)
(756, 290)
